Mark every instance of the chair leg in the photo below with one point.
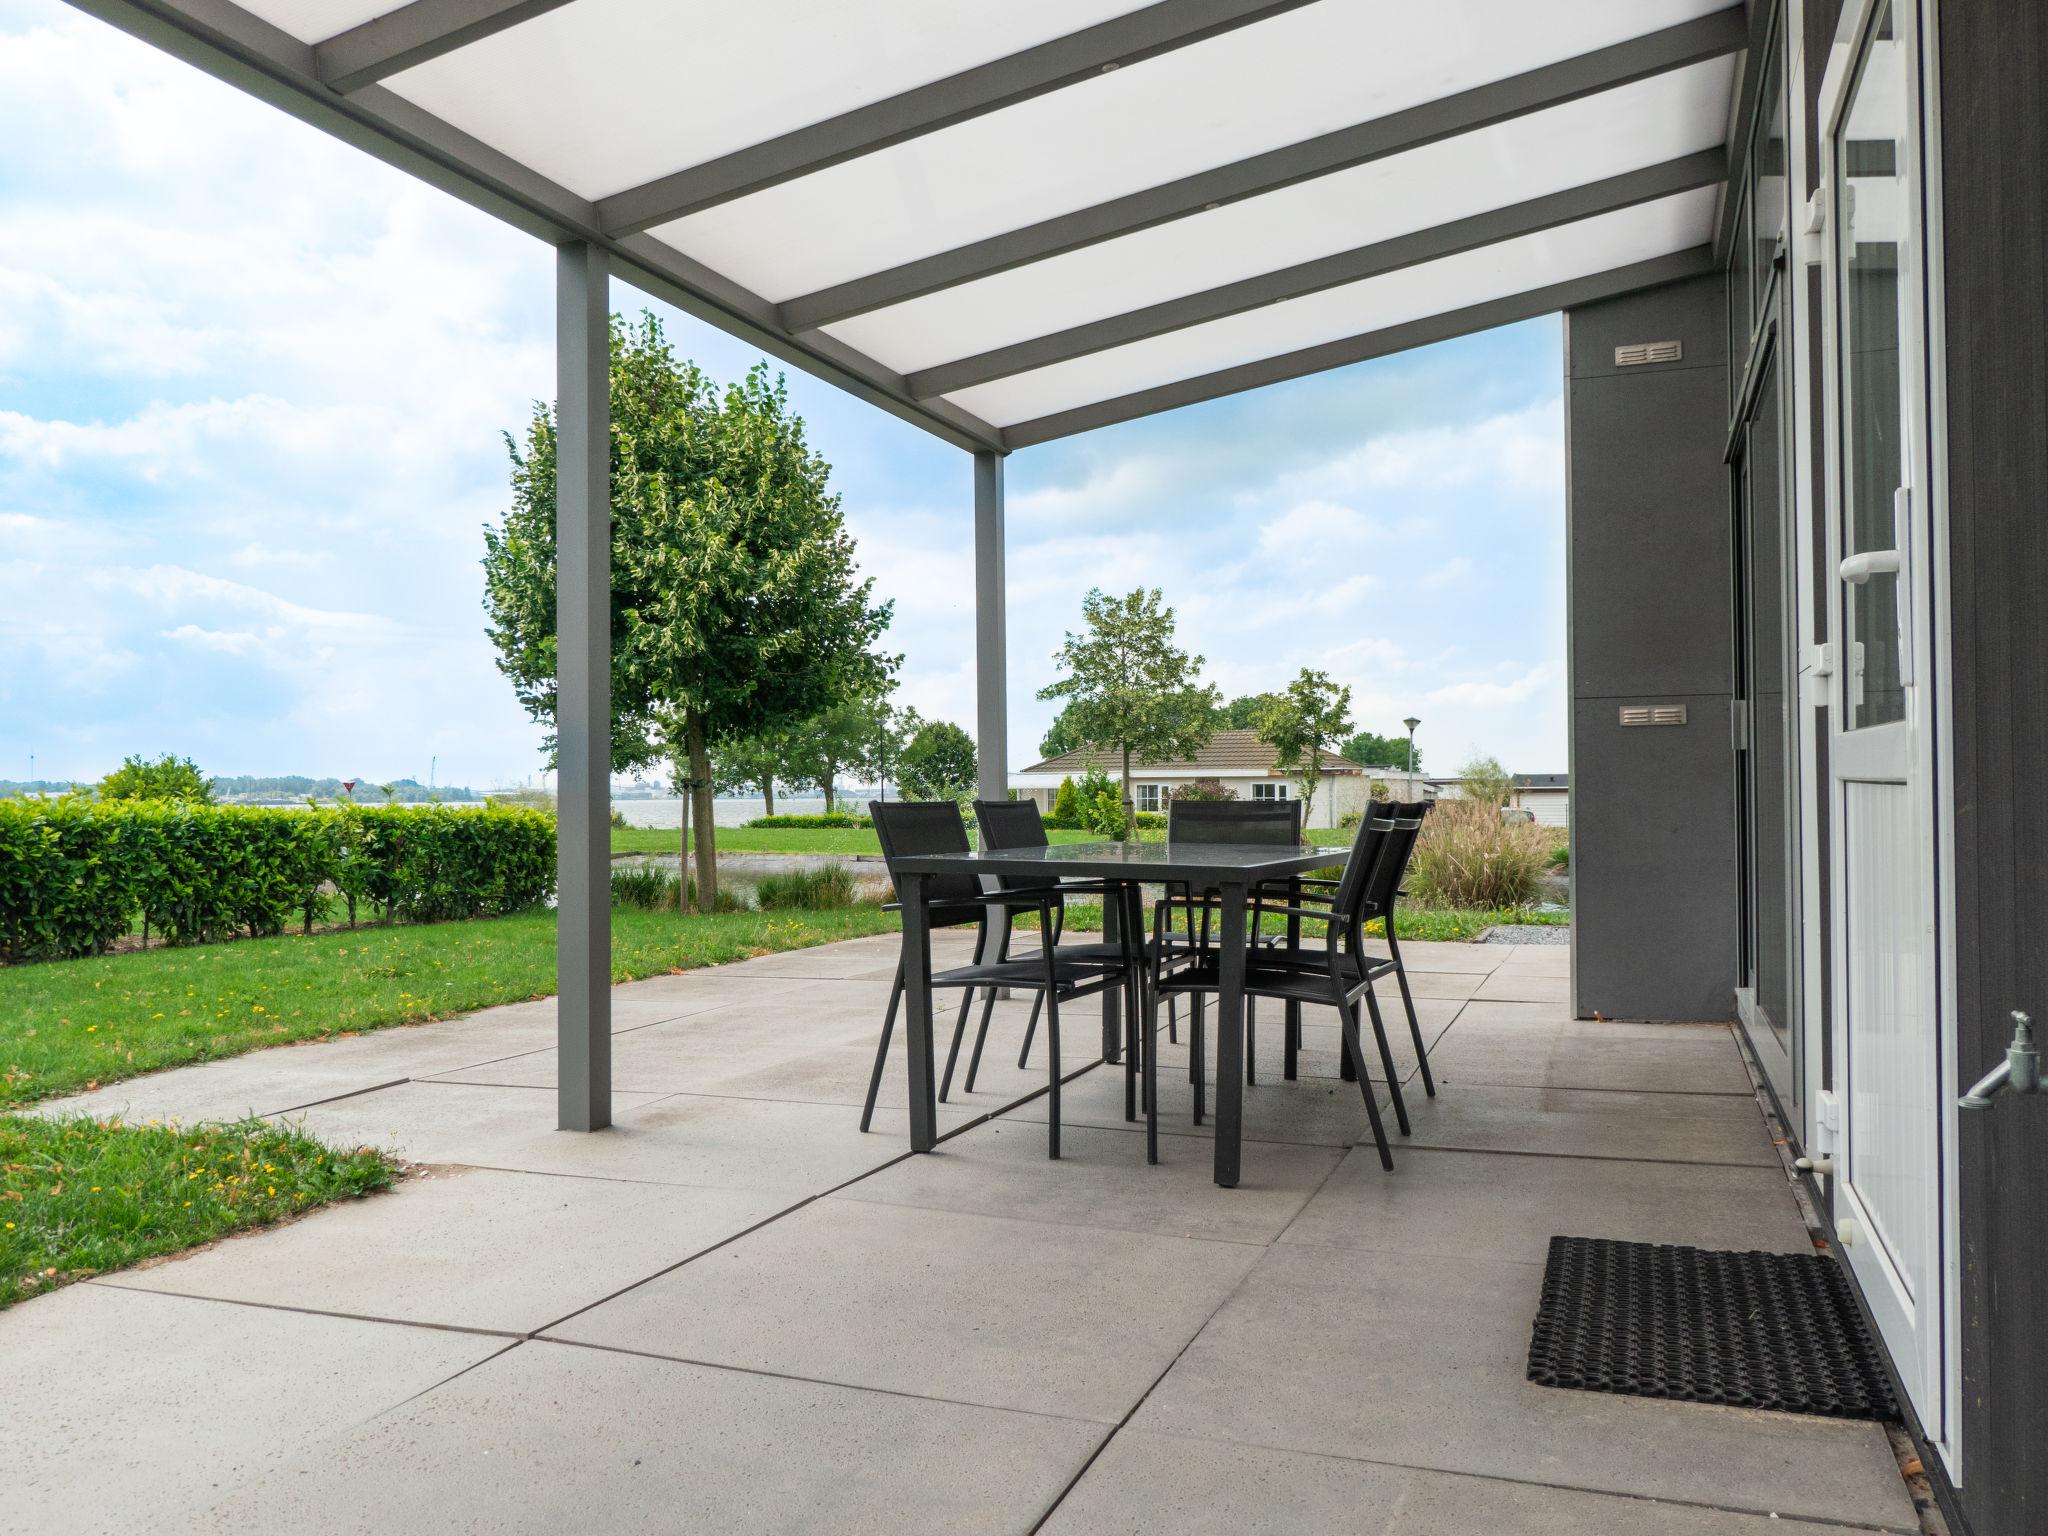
(1173, 1020)
(1346, 1068)
(1151, 1006)
(867, 1113)
(1379, 1033)
(1414, 1024)
(1354, 1051)
(1290, 1068)
(1195, 1031)
(988, 1007)
(959, 1034)
(1030, 1029)
(1052, 1057)
(1251, 1040)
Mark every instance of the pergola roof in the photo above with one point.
(1009, 223)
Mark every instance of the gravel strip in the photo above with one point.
(1529, 933)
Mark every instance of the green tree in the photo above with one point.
(1369, 749)
(1066, 801)
(1242, 713)
(169, 777)
(751, 762)
(736, 606)
(1062, 736)
(853, 736)
(1303, 723)
(938, 762)
(1483, 779)
(1129, 689)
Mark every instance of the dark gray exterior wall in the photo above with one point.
(1653, 811)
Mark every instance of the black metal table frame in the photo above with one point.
(1230, 870)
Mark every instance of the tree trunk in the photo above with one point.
(682, 783)
(768, 795)
(1130, 806)
(825, 784)
(700, 790)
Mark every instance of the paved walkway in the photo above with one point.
(733, 1312)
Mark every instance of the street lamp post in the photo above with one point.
(1411, 722)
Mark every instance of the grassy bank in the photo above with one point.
(74, 1024)
(845, 841)
(79, 1197)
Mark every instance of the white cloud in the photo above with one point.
(1488, 694)
(1453, 572)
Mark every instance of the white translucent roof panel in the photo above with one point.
(1284, 80)
(1638, 125)
(311, 20)
(1473, 277)
(603, 95)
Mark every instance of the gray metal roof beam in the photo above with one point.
(1357, 349)
(413, 34)
(1050, 66)
(1706, 37)
(1706, 169)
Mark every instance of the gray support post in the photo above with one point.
(991, 632)
(583, 686)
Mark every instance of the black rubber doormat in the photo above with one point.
(1747, 1330)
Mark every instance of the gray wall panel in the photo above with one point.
(1653, 811)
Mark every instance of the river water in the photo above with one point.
(733, 812)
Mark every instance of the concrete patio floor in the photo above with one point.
(734, 1312)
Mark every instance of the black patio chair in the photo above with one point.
(1018, 824)
(1337, 972)
(1259, 823)
(908, 828)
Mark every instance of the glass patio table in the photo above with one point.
(1229, 869)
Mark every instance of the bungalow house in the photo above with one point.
(1241, 763)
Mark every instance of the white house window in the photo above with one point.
(1152, 797)
(1269, 789)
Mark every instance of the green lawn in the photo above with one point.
(79, 1196)
(840, 840)
(73, 1024)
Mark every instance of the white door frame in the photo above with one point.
(1937, 1370)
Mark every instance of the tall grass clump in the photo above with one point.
(1467, 857)
(813, 890)
(655, 888)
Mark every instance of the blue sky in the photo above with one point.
(252, 385)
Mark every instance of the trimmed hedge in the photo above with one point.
(818, 821)
(75, 873)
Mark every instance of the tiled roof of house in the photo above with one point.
(1227, 752)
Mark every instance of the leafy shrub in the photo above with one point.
(75, 873)
(1204, 789)
(1102, 803)
(806, 889)
(1483, 779)
(813, 822)
(170, 777)
(1152, 820)
(1066, 804)
(1468, 857)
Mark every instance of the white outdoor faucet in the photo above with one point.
(2020, 1072)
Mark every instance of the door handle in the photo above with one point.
(1858, 569)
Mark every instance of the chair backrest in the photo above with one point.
(1361, 877)
(1392, 867)
(1257, 822)
(1013, 824)
(908, 828)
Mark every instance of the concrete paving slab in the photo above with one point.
(1528, 1049)
(127, 1411)
(678, 1139)
(1320, 1039)
(1145, 1482)
(1523, 985)
(1441, 955)
(1577, 1122)
(1102, 1179)
(1451, 984)
(1311, 1111)
(1030, 1315)
(469, 1249)
(1393, 1358)
(1470, 1205)
(549, 1438)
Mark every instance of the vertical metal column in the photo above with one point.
(583, 686)
(991, 631)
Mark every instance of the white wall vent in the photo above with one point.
(1653, 714)
(1639, 352)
